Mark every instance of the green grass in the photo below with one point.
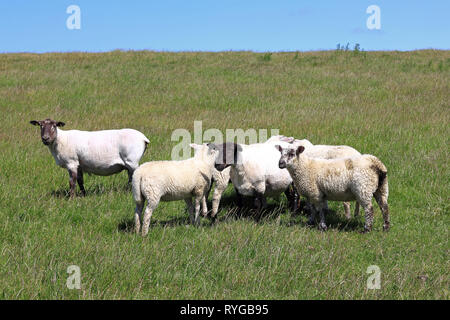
(394, 105)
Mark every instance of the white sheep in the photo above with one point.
(330, 152)
(222, 178)
(347, 179)
(157, 181)
(254, 170)
(101, 153)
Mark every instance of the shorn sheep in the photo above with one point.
(157, 181)
(101, 153)
(330, 152)
(222, 178)
(254, 170)
(347, 179)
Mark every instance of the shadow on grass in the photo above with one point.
(333, 220)
(338, 222)
(228, 204)
(127, 225)
(273, 211)
(91, 191)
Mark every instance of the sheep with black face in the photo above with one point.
(254, 170)
(102, 153)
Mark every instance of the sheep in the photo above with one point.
(254, 170)
(222, 179)
(157, 181)
(101, 153)
(346, 179)
(330, 152)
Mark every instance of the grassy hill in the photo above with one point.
(394, 105)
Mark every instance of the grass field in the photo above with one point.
(395, 105)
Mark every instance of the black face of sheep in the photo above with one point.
(48, 129)
(228, 155)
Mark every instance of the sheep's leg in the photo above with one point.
(151, 206)
(325, 207)
(131, 166)
(217, 195)
(382, 203)
(292, 198)
(190, 208)
(80, 181)
(260, 203)
(197, 210)
(205, 199)
(368, 211)
(302, 205)
(209, 189)
(72, 182)
(312, 213)
(204, 206)
(348, 214)
(130, 176)
(356, 209)
(195, 217)
(239, 199)
(322, 224)
(138, 216)
(321, 208)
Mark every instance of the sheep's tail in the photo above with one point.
(382, 192)
(136, 187)
(146, 142)
(381, 171)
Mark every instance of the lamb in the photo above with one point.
(101, 153)
(173, 180)
(357, 178)
(254, 170)
(330, 152)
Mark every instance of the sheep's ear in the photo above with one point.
(194, 145)
(279, 148)
(212, 146)
(35, 123)
(60, 124)
(287, 139)
(299, 150)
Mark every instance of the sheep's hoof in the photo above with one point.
(322, 227)
(386, 227)
(366, 230)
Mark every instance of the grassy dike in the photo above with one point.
(394, 105)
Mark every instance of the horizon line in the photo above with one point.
(220, 51)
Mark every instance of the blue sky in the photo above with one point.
(172, 25)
